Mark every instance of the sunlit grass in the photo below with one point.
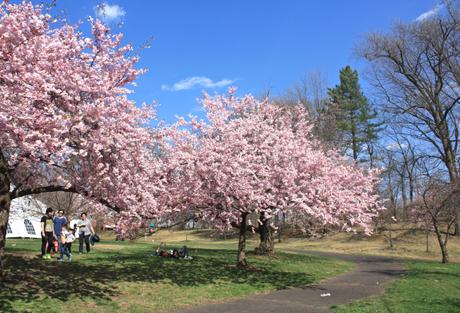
(125, 277)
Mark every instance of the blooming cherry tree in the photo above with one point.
(251, 156)
(67, 123)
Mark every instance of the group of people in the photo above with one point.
(58, 236)
(181, 253)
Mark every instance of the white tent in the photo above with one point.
(24, 220)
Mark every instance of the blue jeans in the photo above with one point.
(65, 250)
(60, 245)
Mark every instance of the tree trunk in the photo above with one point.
(267, 244)
(457, 226)
(5, 201)
(390, 237)
(370, 152)
(445, 255)
(411, 188)
(451, 165)
(241, 259)
(392, 196)
(354, 142)
(281, 227)
(442, 244)
(427, 241)
(403, 192)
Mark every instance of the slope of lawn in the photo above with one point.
(125, 277)
(409, 244)
(428, 287)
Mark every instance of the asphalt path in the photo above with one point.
(368, 278)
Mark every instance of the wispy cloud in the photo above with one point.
(395, 146)
(197, 81)
(109, 12)
(429, 14)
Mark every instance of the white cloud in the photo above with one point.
(109, 13)
(395, 146)
(429, 14)
(197, 81)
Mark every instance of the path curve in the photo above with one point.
(366, 279)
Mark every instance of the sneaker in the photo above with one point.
(60, 259)
(48, 257)
(70, 258)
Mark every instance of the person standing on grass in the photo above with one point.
(66, 238)
(58, 222)
(47, 232)
(85, 231)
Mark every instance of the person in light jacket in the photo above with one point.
(85, 230)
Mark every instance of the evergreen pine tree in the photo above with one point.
(355, 118)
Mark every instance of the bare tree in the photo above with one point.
(311, 92)
(73, 204)
(416, 71)
(70, 203)
(438, 208)
(390, 188)
(406, 153)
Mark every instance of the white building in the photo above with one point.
(24, 220)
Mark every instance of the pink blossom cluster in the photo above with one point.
(253, 156)
(65, 116)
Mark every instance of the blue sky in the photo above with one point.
(254, 45)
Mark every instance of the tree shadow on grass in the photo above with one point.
(423, 273)
(98, 276)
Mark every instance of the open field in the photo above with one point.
(124, 277)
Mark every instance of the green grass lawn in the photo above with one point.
(428, 287)
(124, 277)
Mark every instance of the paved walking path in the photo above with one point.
(365, 280)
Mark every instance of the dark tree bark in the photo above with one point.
(241, 258)
(5, 201)
(267, 243)
(427, 241)
(442, 243)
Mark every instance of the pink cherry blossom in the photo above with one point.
(65, 117)
(251, 156)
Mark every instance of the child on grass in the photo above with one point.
(67, 237)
